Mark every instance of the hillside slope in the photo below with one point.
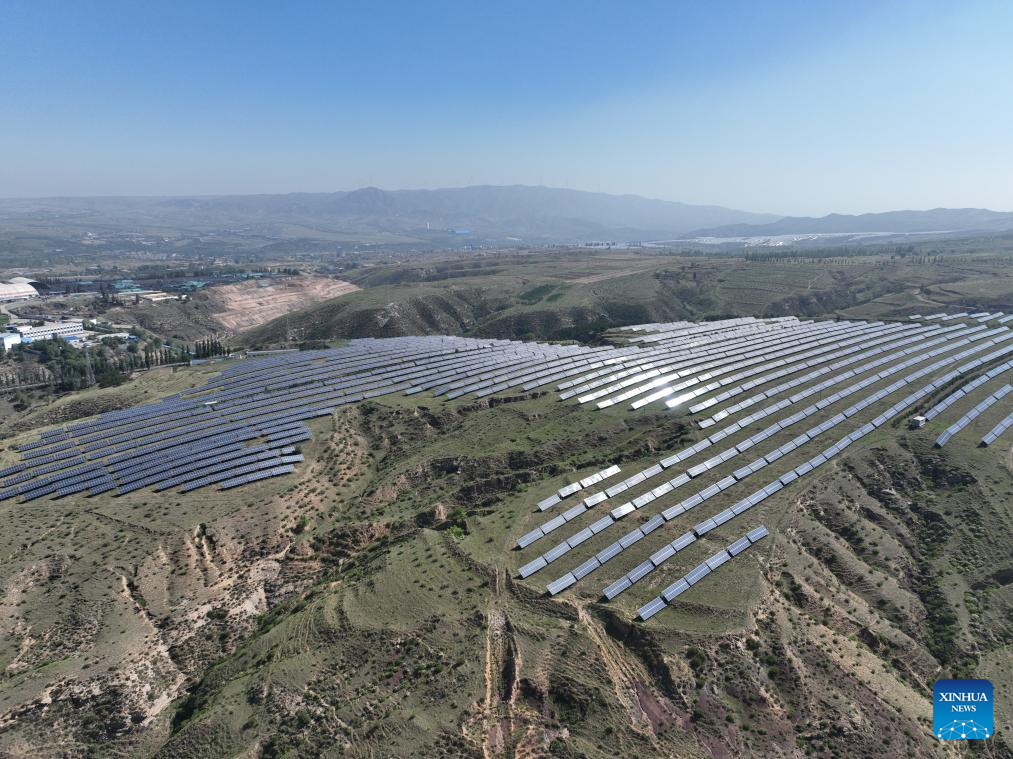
(578, 293)
(368, 605)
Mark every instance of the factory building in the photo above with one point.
(69, 330)
(18, 288)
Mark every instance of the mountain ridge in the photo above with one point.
(896, 222)
(475, 214)
(533, 213)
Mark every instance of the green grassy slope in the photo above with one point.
(577, 294)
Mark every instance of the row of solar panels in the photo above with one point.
(711, 523)
(271, 464)
(960, 392)
(919, 336)
(288, 377)
(678, 509)
(599, 381)
(353, 356)
(85, 480)
(284, 432)
(573, 487)
(807, 360)
(920, 347)
(725, 346)
(223, 467)
(981, 316)
(818, 460)
(676, 335)
(225, 449)
(290, 381)
(145, 437)
(506, 367)
(158, 460)
(685, 397)
(676, 331)
(256, 375)
(847, 335)
(449, 369)
(700, 571)
(185, 433)
(527, 376)
(971, 415)
(996, 432)
(261, 475)
(663, 355)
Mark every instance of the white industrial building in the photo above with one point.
(69, 330)
(18, 288)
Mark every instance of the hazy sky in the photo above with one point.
(792, 107)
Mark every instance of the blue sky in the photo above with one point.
(786, 107)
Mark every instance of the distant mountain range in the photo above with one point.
(480, 214)
(530, 214)
(891, 222)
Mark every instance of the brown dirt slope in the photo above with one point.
(253, 302)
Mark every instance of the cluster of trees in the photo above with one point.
(66, 367)
(108, 298)
(71, 368)
(208, 348)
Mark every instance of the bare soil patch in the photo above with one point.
(254, 302)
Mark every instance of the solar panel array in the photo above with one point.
(241, 425)
(772, 391)
(236, 425)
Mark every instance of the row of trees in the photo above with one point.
(157, 276)
(836, 254)
(208, 348)
(30, 376)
